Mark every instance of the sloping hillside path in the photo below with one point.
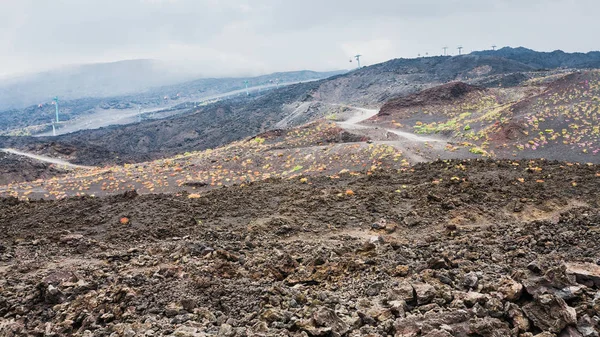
(406, 142)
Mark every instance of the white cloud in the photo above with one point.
(225, 36)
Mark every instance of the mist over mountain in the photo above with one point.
(90, 80)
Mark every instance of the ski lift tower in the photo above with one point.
(357, 57)
(55, 122)
(56, 106)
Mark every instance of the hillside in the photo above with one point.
(373, 85)
(301, 211)
(202, 128)
(545, 60)
(36, 119)
(220, 123)
(316, 149)
(553, 117)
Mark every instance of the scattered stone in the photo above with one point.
(438, 333)
(472, 297)
(585, 326)
(412, 221)
(424, 293)
(545, 334)
(188, 304)
(374, 289)
(518, 318)
(381, 224)
(550, 313)
(272, 315)
(403, 291)
(510, 289)
(226, 330)
(488, 326)
(451, 227)
(173, 309)
(326, 317)
(71, 239)
(470, 280)
(398, 308)
(437, 263)
(534, 267)
(52, 295)
(260, 327)
(401, 271)
(570, 332)
(587, 274)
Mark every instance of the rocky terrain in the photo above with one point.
(544, 60)
(553, 116)
(318, 148)
(508, 81)
(15, 169)
(449, 248)
(308, 211)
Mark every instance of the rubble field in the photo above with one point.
(448, 248)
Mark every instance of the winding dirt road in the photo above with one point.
(407, 140)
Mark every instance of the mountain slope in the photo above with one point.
(221, 123)
(553, 117)
(205, 127)
(373, 85)
(35, 119)
(555, 59)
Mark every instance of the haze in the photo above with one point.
(225, 38)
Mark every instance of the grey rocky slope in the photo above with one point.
(457, 248)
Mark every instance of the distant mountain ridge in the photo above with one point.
(547, 60)
(116, 79)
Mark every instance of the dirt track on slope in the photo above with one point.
(463, 248)
(417, 148)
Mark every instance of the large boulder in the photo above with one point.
(518, 318)
(424, 292)
(510, 289)
(550, 313)
(488, 327)
(419, 325)
(326, 317)
(324, 322)
(587, 274)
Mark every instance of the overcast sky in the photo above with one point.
(242, 37)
